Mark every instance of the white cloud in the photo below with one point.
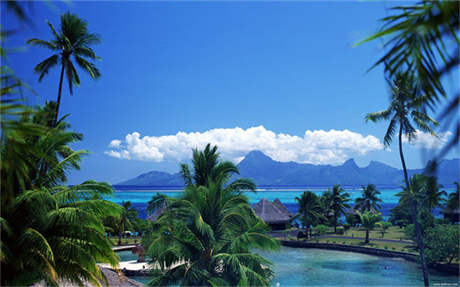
(318, 147)
(426, 140)
(115, 143)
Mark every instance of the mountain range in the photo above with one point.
(267, 172)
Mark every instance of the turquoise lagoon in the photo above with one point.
(319, 267)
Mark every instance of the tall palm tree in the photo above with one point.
(404, 110)
(73, 39)
(422, 38)
(368, 222)
(309, 210)
(127, 217)
(338, 202)
(208, 167)
(49, 231)
(205, 238)
(369, 199)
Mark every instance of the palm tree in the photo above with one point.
(309, 210)
(127, 217)
(207, 167)
(338, 202)
(419, 39)
(368, 221)
(49, 231)
(73, 39)
(453, 201)
(369, 199)
(205, 238)
(433, 194)
(404, 109)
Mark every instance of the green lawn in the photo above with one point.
(391, 246)
(394, 232)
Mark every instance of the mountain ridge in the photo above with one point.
(267, 172)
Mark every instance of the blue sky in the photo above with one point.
(170, 67)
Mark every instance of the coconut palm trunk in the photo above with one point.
(413, 208)
(367, 236)
(58, 103)
(335, 222)
(120, 232)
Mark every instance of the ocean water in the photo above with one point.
(319, 267)
(140, 197)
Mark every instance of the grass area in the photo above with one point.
(394, 232)
(126, 241)
(391, 246)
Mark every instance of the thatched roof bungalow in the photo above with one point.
(275, 215)
(281, 207)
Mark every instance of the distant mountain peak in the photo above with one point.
(257, 155)
(265, 171)
(350, 163)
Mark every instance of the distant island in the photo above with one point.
(267, 172)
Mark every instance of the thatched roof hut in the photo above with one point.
(158, 212)
(281, 207)
(271, 214)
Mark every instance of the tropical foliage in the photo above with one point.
(453, 204)
(442, 243)
(422, 39)
(368, 222)
(207, 167)
(406, 109)
(127, 218)
(337, 198)
(206, 236)
(72, 40)
(369, 200)
(309, 211)
(49, 231)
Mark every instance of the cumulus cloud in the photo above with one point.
(318, 146)
(426, 140)
(115, 143)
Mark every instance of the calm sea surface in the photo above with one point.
(139, 198)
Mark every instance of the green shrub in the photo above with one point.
(340, 230)
(327, 241)
(386, 247)
(320, 229)
(347, 226)
(344, 243)
(393, 248)
(334, 242)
